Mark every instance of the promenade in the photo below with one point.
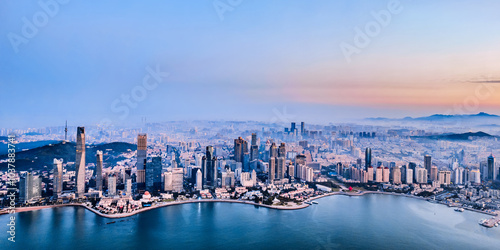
(280, 207)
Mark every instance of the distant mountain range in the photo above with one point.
(41, 157)
(463, 136)
(444, 118)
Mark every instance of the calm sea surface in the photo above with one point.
(337, 222)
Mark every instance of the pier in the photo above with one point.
(491, 221)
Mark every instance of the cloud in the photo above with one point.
(486, 81)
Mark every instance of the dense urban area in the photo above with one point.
(119, 171)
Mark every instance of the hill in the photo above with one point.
(41, 157)
(479, 117)
(462, 136)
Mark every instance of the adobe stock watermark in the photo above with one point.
(282, 117)
(223, 6)
(484, 90)
(122, 105)
(31, 27)
(363, 37)
(11, 187)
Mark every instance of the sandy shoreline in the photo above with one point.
(166, 204)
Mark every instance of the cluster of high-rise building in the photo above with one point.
(154, 175)
(30, 187)
(411, 173)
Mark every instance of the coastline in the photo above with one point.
(173, 203)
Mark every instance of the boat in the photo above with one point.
(308, 203)
(459, 209)
(314, 202)
(111, 222)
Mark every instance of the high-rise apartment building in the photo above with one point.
(421, 175)
(280, 168)
(396, 176)
(434, 173)
(444, 177)
(58, 173)
(112, 185)
(272, 169)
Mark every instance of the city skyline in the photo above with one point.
(252, 59)
(261, 165)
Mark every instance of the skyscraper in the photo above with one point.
(299, 160)
(370, 172)
(421, 175)
(444, 177)
(80, 162)
(98, 171)
(492, 173)
(142, 149)
(458, 176)
(273, 150)
(302, 128)
(177, 180)
(254, 139)
(396, 175)
(199, 184)
(112, 185)
(379, 172)
(167, 181)
(209, 167)
(282, 150)
(428, 163)
(409, 176)
(204, 170)
(254, 148)
(280, 168)
(58, 171)
(434, 173)
(272, 169)
(30, 187)
(128, 186)
(291, 171)
(240, 148)
(153, 175)
(368, 158)
(475, 176)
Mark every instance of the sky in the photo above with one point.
(316, 61)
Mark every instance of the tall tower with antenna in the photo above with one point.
(66, 131)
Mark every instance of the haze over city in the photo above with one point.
(247, 60)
